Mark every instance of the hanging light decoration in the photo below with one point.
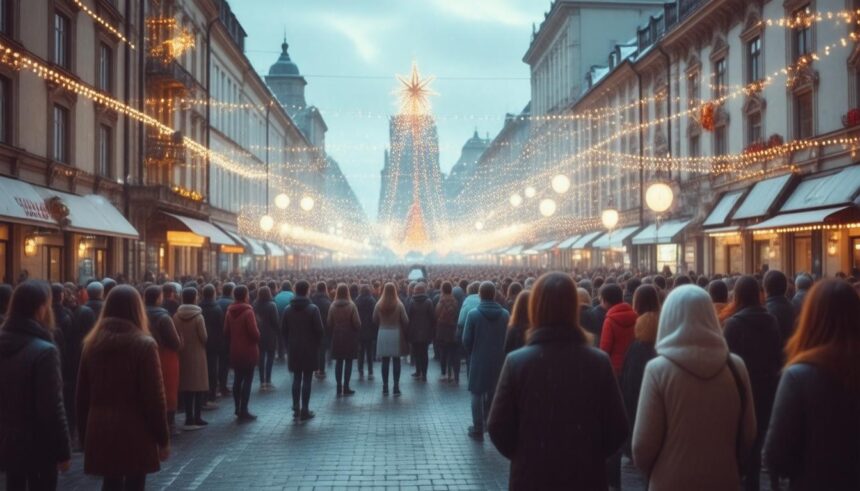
(267, 223)
(307, 203)
(479, 225)
(530, 192)
(659, 197)
(560, 184)
(282, 201)
(609, 217)
(285, 229)
(547, 207)
(516, 200)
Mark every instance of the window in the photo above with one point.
(803, 127)
(62, 40)
(754, 128)
(103, 151)
(693, 91)
(720, 144)
(6, 17)
(695, 146)
(802, 32)
(754, 70)
(104, 79)
(5, 110)
(60, 151)
(720, 88)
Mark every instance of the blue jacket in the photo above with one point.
(484, 340)
(283, 299)
(469, 303)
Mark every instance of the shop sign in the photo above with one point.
(33, 209)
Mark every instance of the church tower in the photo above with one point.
(287, 82)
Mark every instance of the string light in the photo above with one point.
(104, 23)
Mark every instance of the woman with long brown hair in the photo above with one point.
(518, 323)
(343, 324)
(391, 343)
(121, 403)
(563, 444)
(814, 435)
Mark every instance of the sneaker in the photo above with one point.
(246, 416)
(348, 392)
(306, 415)
(444, 379)
(416, 375)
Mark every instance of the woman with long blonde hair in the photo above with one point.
(391, 342)
(342, 327)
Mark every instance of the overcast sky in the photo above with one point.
(350, 51)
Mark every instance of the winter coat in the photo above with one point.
(268, 324)
(597, 316)
(781, 309)
(814, 434)
(422, 319)
(303, 333)
(121, 404)
(638, 355)
(557, 413)
(590, 323)
(96, 306)
(224, 303)
(365, 305)
(797, 301)
(242, 335)
(213, 317)
(84, 319)
(618, 333)
(323, 303)
(34, 433)
(484, 340)
(686, 430)
(164, 332)
(752, 334)
(282, 301)
(170, 305)
(193, 373)
(447, 312)
(515, 338)
(396, 319)
(70, 352)
(343, 325)
(469, 303)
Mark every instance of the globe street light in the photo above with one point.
(560, 184)
(547, 207)
(479, 225)
(516, 200)
(307, 203)
(609, 217)
(266, 223)
(530, 192)
(282, 201)
(658, 197)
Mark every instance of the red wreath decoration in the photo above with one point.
(707, 116)
(852, 118)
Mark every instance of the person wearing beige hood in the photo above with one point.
(193, 371)
(696, 418)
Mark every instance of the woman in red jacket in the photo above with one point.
(619, 326)
(243, 337)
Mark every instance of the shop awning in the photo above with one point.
(514, 251)
(274, 249)
(204, 229)
(544, 246)
(665, 234)
(826, 216)
(91, 214)
(720, 213)
(21, 203)
(614, 239)
(761, 198)
(831, 190)
(565, 244)
(585, 240)
(255, 246)
(723, 231)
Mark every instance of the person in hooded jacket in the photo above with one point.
(34, 434)
(447, 311)
(778, 305)
(365, 303)
(224, 301)
(213, 318)
(267, 322)
(162, 329)
(343, 325)
(696, 418)
(422, 325)
(753, 334)
(619, 326)
(95, 294)
(302, 329)
(5, 298)
(518, 323)
(243, 337)
(322, 300)
(70, 350)
(193, 374)
(484, 341)
(557, 413)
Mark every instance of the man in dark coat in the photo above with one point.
(365, 302)
(169, 298)
(69, 343)
(224, 301)
(322, 300)
(213, 317)
(303, 332)
(422, 326)
(802, 284)
(484, 340)
(95, 294)
(777, 304)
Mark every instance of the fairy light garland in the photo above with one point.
(104, 23)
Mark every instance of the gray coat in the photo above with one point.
(484, 340)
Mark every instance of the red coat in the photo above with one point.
(619, 330)
(242, 335)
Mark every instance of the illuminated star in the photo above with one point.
(415, 93)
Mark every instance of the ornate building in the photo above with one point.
(463, 169)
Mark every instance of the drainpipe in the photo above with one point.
(668, 98)
(641, 159)
(128, 265)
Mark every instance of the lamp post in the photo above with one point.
(659, 197)
(609, 217)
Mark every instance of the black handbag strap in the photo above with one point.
(743, 396)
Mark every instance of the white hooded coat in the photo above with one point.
(685, 434)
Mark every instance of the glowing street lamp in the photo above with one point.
(282, 201)
(307, 203)
(267, 223)
(479, 225)
(560, 184)
(547, 207)
(609, 217)
(530, 192)
(516, 200)
(659, 197)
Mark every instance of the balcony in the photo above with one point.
(168, 74)
(164, 150)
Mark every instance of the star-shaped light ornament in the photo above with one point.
(414, 93)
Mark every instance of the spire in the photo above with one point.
(476, 134)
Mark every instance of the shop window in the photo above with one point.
(103, 153)
(855, 253)
(104, 78)
(803, 115)
(764, 255)
(62, 41)
(695, 146)
(754, 68)
(60, 127)
(802, 32)
(5, 110)
(734, 259)
(54, 266)
(667, 256)
(720, 143)
(803, 254)
(754, 133)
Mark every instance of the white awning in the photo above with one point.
(255, 246)
(831, 190)
(21, 203)
(92, 214)
(614, 239)
(204, 229)
(514, 251)
(545, 246)
(720, 213)
(274, 249)
(585, 240)
(662, 235)
(815, 217)
(723, 231)
(761, 198)
(569, 242)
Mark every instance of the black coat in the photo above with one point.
(632, 372)
(302, 329)
(96, 306)
(369, 329)
(422, 319)
(84, 319)
(213, 317)
(267, 323)
(557, 414)
(34, 433)
(752, 334)
(323, 303)
(592, 320)
(814, 435)
(782, 309)
(515, 338)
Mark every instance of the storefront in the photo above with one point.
(565, 255)
(610, 248)
(581, 253)
(188, 247)
(276, 255)
(724, 242)
(662, 245)
(540, 255)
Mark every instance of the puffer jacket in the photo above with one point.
(422, 319)
(242, 335)
(618, 333)
(303, 333)
(267, 323)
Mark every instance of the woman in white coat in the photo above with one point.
(696, 418)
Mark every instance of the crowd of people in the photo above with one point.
(702, 381)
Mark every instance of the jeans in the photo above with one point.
(267, 359)
(450, 359)
(193, 405)
(366, 350)
(212, 366)
(243, 378)
(342, 372)
(385, 361)
(37, 480)
(481, 409)
(124, 483)
(302, 385)
(422, 360)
